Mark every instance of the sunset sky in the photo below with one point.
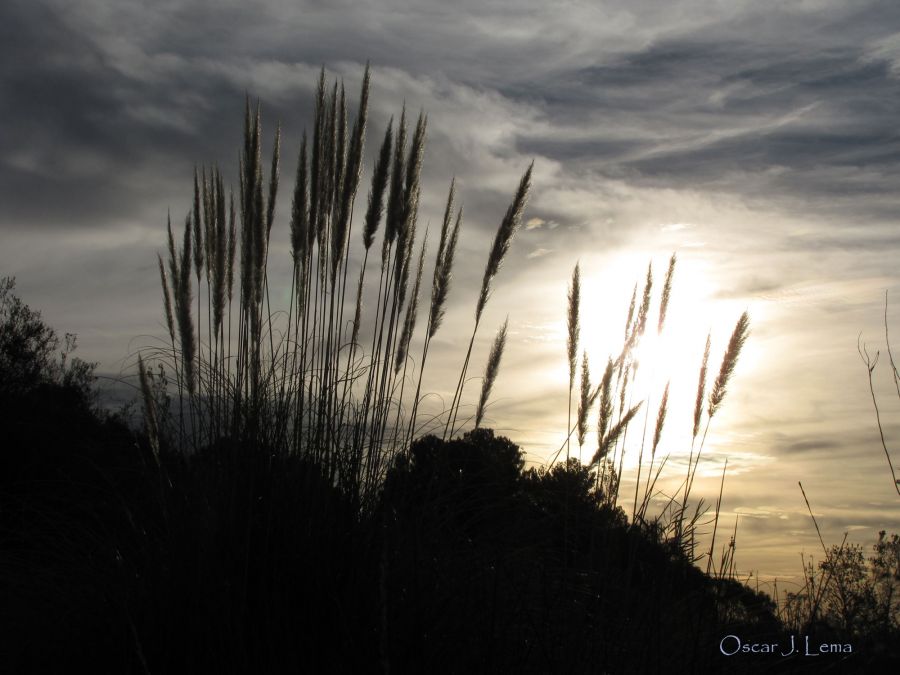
(757, 140)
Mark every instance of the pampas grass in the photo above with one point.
(660, 421)
(490, 371)
(717, 394)
(620, 403)
(606, 441)
(440, 289)
(574, 328)
(701, 388)
(729, 361)
(585, 400)
(409, 322)
(666, 292)
(502, 241)
(304, 381)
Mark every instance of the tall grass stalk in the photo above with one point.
(502, 241)
(490, 371)
(440, 289)
(574, 328)
(306, 381)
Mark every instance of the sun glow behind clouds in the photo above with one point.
(673, 355)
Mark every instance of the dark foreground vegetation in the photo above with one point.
(237, 559)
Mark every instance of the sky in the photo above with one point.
(757, 140)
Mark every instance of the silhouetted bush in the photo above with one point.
(490, 568)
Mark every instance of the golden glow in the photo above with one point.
(673, 355)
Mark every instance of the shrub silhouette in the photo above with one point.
(69, 482)
(474, 555)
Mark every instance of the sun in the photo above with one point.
(669, 352)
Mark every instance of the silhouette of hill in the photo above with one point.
(237, 558)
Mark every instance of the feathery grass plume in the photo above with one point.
(414, 168)
(217, 224)
(300, 208)
(440, 287)
(624, 389)
(490, 371)
(701, 387)
(374, 211)
(616, 431)
(405, 240)
(585, 399)
(220, 253)
(409, 322)
(375, 207)
(729, 360)
(252, 221)
(255, 204)
(247, 152)
(660, 419)
(206, 198)
(323, 166)
(244, 286)
(443, 272)
(259, 227)
(410, 203)
(666, 292)
(316, 178)
(341, 219)
(631, 307)
(198, 232)
(445, 223)
(574, 298)
(331, 159)
(735, 343)
(357, 312)
(395, 203)
(167, 299)
(150, 417)
(606, 402)
(508, 228)
(355, 152)
(640, 323)
(340, 152)
(183, 309)
(273, 180)
(232, 244)
(502, 240)
(173, 256)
